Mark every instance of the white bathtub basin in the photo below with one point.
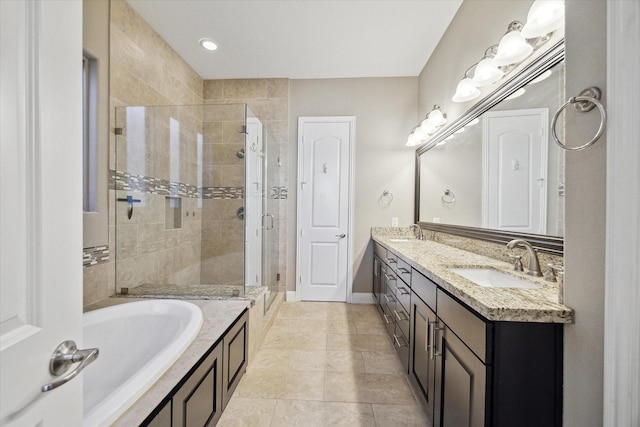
(138, 342)
(490, 278)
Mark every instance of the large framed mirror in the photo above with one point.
(494, 173)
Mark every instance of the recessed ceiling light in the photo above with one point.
(208, 44)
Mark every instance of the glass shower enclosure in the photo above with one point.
(195, 196)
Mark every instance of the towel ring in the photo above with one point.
(448, 196)
(386, 197)
(587, 100)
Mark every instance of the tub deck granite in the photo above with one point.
(218, 316)
(434, 260)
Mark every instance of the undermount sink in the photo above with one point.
(398, 240)
(490, 278)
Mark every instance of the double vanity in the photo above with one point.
(482, 344)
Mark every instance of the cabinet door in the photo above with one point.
(198, 402)
(460, 384)
(423, 320)
(235, 357)
(377, 279)
(161, 419)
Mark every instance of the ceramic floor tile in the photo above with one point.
(269, 359)
(297, 413)
(276, 385)
(382, 363)
(246, 412)
(371, 326)
(295, 341)
(334, 361)
(379, 343)
(336, 326)
(303, 310)
(367, 388)
(400, 415)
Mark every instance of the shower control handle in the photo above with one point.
(65, 355)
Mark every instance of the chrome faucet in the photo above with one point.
(533, 269)
(420, 235)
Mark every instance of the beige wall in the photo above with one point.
(385, 111)
(586, 45)
(476, 26)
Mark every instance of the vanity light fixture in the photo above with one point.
(208, 44)
(513, 47)
(431, 123)
(545, 16)
(465, 91)
(486, 71)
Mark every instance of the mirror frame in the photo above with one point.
(548, 244)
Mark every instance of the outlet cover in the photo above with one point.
(394, 221)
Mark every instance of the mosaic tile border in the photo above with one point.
(125, 181)
(95, 255)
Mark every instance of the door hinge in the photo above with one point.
(277, 277)
(118, 131)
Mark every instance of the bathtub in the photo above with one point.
(138, 342)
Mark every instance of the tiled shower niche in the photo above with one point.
(178, 186)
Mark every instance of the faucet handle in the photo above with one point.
(517, 266)
(552, 270)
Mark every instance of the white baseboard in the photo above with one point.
(362, 298)
(292, 296)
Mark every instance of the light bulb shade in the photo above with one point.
(545, 16)
(413, 140)
(426, 129)
(486, 73)
(465, 91)
(513, 49)
(436, 118)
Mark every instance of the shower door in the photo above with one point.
(271, 218)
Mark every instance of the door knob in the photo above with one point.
(342, 236)
(65, 355)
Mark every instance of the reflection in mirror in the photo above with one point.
(502, 170)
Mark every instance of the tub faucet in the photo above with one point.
(533, 269)
(420, 235)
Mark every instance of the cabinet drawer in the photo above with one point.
(464, 323)
(388, 318)
(391, 259)
(403, 295)
(424, 288)
(402, 319)
(379, 250)
(401, 344)
(404, 271)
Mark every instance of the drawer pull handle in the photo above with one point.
(404, 270)
(389, 300)
(397, 340)
(389, 277)
(402, 290)
(403, 318)
(391, 261)
(386, 318)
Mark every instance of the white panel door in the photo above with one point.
(515, 170)
(324, 176)
(40, 207)
(253, 202)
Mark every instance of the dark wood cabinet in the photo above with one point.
(201, 396)
(471, 371)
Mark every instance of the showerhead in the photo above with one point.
(240, 154)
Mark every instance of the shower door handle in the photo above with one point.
(270, 216)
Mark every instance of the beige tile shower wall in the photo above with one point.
(145, 70)
(222, 234)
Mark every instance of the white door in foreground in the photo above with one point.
(40, 207)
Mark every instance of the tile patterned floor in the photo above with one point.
(324, 364)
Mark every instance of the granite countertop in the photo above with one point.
(498, 304)
(218, 316)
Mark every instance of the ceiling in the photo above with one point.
(302, 39)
